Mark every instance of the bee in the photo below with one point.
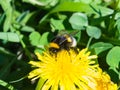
(62, 41)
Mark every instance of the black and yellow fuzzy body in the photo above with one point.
(60, 42)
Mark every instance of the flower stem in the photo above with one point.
(89, 41)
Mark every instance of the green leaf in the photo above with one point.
(94, 32)
(37, 40)
(2, 17)
(27, 29)
(113, 57)
(6, 85)
(79, 7)
(4, 51)
(100, 47)
(6, 6)
(44, 38)
(117, 15)
(34, 2)
(78, 21)
(86, 1)
(22, 16)
(114, 69)
(117, 5)
(34, 38)
(9, 36)
(114, 74)
(46, 3)
(57, 24)
(82, 7)
(118, 24)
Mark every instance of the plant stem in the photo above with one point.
(89, 41)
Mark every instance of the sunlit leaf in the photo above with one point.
(24, 17)
(117, 16)
(57, 24)
(118, 24)
(86, 1)
(45, 3)
(117, 6)
(78, 21)
(100, 47)
(9, 36)
(44, 38)
(34, 38)
(94, 32)
(27, 29)
(113, 57)
(6, 6)
(82, 7)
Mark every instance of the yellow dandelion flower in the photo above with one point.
(105, 82)
(68, 70)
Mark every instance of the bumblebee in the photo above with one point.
(60, 42)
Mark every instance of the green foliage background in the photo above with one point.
(27, 26)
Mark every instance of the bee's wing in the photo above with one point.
(74, 32)
(71, 33)
(62, 32)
